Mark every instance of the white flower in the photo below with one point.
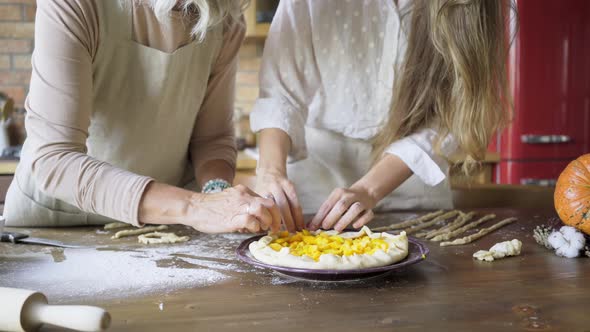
(567, 242)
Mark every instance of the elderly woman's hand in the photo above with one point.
(275, 185)
(235, 209)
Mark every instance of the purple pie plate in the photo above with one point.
(417, 252)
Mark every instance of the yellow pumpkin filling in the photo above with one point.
(304, 243)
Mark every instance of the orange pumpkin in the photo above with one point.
(572, 194)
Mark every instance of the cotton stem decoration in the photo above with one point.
(541, 236)
(567, 242)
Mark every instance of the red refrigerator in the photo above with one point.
(549, 70)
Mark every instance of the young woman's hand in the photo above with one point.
(235, 209)
(273, 184)
(353, 206)
(343, 208)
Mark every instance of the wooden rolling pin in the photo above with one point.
(25, 310)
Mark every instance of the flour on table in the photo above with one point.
(126, 269)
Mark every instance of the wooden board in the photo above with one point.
(450, 291)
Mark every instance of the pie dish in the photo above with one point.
(416, 253)
(331, 250)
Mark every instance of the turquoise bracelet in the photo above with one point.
(215, 186)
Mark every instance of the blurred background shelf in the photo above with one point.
(8, 166)
(258, 17)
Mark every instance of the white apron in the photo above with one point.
(145, 105)
(337, 161)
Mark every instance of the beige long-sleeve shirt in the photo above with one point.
(59, 105)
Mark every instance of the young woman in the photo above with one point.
(372, 97)
(131, 100)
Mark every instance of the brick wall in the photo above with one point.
(247, 78)
(16, 45)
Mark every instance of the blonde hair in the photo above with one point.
(453, 77)
(210, 12)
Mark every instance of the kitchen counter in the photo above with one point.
(202, 286)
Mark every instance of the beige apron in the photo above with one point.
(145, 105)
(338, 161)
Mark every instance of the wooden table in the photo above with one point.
(449, 291)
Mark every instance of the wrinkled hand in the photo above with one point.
(342, 208)
(275, 185)
(236, 209)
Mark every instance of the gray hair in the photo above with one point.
(211, 12)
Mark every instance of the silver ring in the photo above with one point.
(269, 196)
(248, 209)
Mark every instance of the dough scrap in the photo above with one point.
(397, 250)
(499, 250)
(482, 232)
(410, 222)
(159, 238)
(484, 255)
(116, 225)
(144, 230)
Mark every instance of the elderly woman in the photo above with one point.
(131, 101)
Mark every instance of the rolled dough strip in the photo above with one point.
(116, 225)
(159, 238)
(434, 221)
(482, 232)
(409, 223)
(144, 230)
(460, 221)
(426, 234)
(452, 225)
(459, 231)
